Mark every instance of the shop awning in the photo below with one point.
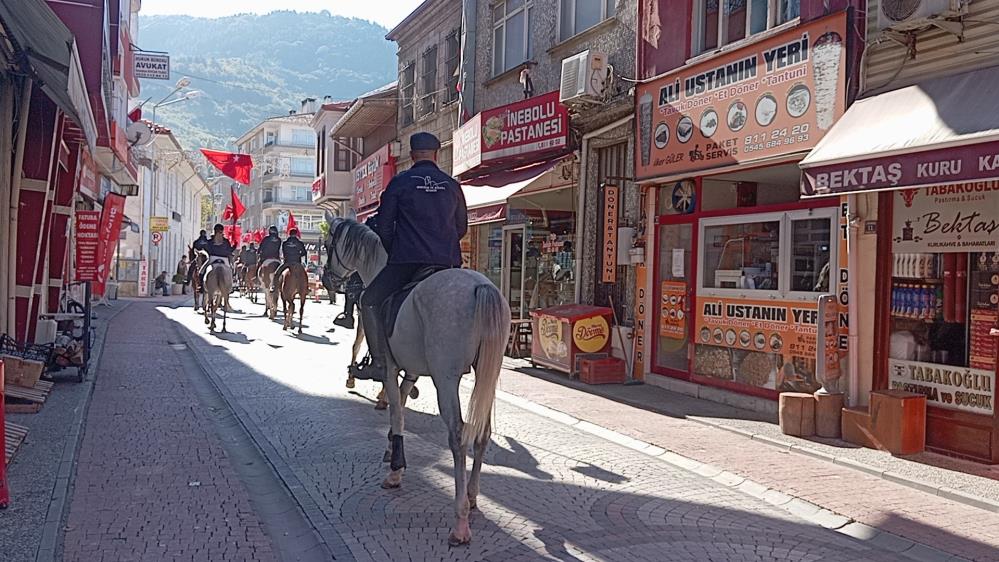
(486, 197)
(368, 112)
(50, 53)
(944, 130)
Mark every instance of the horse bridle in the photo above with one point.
(336, 254)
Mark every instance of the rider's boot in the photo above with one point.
(346, 319)
(277, 275)
(377, 345)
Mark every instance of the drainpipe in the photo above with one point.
(6, 142)
(581, 198)
(15, 201)
(853, 340)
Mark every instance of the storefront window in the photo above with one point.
(488, 258)
(944, 304)
(810, 255)
(742, 256)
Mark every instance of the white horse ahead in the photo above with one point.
(453, 321)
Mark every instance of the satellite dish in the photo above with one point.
(139, 134)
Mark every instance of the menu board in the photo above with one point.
(673, 310)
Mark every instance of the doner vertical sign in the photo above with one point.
(609, 261)
(154, 66)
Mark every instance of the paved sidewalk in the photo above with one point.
(153, 481)
(919, 516)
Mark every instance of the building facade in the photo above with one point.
(336, 158)
(429, 41)
(284, 155)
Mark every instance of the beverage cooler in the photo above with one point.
(565, 334)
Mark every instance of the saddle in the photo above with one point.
(392, 305)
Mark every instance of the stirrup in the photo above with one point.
(367, 370)
(344, 321)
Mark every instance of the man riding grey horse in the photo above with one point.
(421, 221)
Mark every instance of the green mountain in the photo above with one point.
(251, 67)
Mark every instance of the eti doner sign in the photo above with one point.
(525, 129)
(774, 97)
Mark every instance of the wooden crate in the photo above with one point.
(13, 437)
(22, 372)
(23, 400)
(602, 371)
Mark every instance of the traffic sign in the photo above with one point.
(157, 238)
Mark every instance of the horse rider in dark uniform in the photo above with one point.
(292, 251)
(219, 250)
(200, 245)
(353, 288)
(270, 246)
(421, 221)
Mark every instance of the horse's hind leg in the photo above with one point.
(473, 480)
(301, 313)
(450, 407)
(397, 455)
(358, 339)
(225, 311)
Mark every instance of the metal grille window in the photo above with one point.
(511, 34)
(452, 53)
(576, 16)
(715, 27)
(428, 82)
(407, 86)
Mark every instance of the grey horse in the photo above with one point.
(218, 285)
(453, 321)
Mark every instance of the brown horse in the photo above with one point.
(250, 282)
(265, 273)
(294, 282)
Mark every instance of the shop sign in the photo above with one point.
(966, 166)
(159, 224)
(152, 66)
(775, 97)
(143, 278)
(372, 176)
(961, 217)
(528, 127)
(87, 244)
(88, 175)
(640, 292)
(319, 188)
(609, 259)
(673, 310)
(551, 338)
(827, 368)
(953, 388)
(490, 213)
(766, 344)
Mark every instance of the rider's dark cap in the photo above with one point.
(218, 227)
(424, 141)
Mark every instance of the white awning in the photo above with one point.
(917, 135)
(488, 203)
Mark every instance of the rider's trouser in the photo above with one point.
(392, 278)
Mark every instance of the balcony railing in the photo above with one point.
(275, 200)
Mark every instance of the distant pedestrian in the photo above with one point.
(181, 277)
(160, 284)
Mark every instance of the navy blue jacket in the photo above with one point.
(201, 243)
(422, 217)
(270, 248)
(293, 250)
(219, 250)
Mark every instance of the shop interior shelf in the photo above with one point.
(927, 280)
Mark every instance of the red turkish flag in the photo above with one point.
(227, 213)
(237, 206)
(235, 166)
(292, 225)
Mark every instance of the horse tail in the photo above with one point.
(492, 315)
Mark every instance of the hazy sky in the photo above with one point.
(385, 12)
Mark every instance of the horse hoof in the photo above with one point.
(462, 535)
(387, 457)
(350, 382)
(414, 393)
(393, 480)
(381, 405)
(473, 503)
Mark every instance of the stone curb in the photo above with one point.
(52, 530)
(329, 539)
(935, 489)
(798, 507)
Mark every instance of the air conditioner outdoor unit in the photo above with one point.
(584, 77)
(906, 15)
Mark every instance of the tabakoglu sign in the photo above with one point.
(530, 127)
(954, 388)
(947, 218)
(153, 66)
(775, 97)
